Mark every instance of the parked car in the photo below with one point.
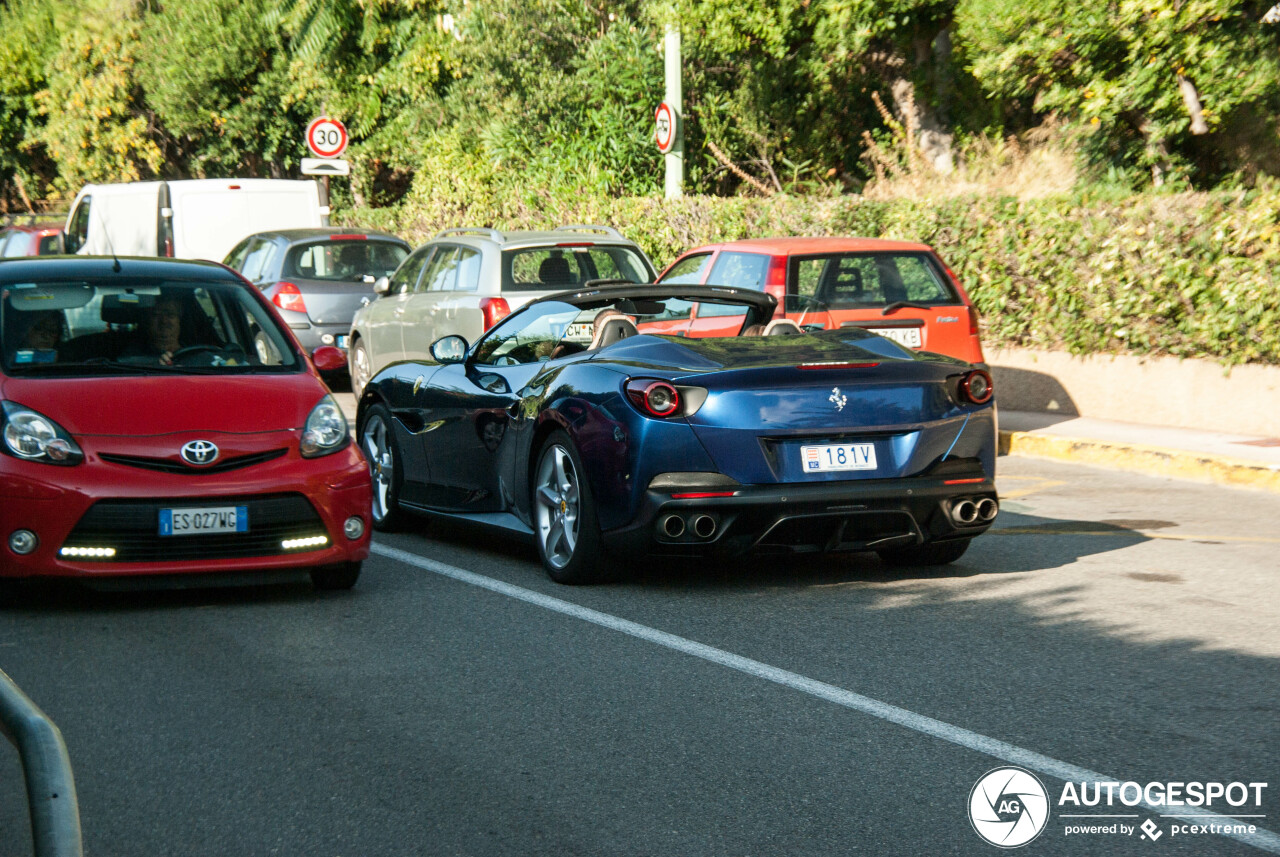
(318, 278)
(189, 219)
(572, 422)
(142, 433)
(31, 239)
(896, 289)
(465, 280)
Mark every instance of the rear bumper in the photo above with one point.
(798, 518)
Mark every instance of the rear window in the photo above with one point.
(549, 268)
(855, 280)
(343, 261)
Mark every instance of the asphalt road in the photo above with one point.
(459, 703)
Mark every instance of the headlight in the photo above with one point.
(325, 431)
(32, 436)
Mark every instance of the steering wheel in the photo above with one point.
(193, 349)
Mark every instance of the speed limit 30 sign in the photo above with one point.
(326, 137)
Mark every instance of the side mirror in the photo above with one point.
(449, 349)
(382, 286)
(329, 359)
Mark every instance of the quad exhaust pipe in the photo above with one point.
(701, 526)
(966, 513)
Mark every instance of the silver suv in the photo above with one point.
(463, 281)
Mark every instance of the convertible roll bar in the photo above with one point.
(51, 789)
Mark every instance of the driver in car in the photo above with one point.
(161, 331)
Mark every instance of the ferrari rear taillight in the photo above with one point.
(495, 310)
(289, 297)
(655, 398)
(976, 387)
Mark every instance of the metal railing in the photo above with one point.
(51, 789)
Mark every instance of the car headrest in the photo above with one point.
(752, 330)
(782, 327)
(614, 328)
(554, 270)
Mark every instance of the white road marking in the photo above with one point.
(1262, 839)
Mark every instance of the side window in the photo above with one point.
(406, 276)
(739, 271)
(257, 259)
(688, 271)
(468, 269)
(12, 244)
(235, 259)
(50, 245)
(442, 273)
(79, 226)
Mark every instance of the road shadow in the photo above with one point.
(1026, 390)
(161, 592)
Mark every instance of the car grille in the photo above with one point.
(132, 528)
(168, 465)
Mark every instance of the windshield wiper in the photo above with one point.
(897, 305)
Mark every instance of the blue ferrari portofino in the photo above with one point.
(599, 423)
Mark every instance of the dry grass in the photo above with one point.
(1040, 163)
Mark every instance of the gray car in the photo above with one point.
(463, 281)
(318, 278)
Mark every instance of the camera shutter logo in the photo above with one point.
(1008, 807)
(199, 452)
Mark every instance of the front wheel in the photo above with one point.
(378, 440)
(931, 553)
(564, 518)
(342, 576)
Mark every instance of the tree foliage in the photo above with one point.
(532, 100)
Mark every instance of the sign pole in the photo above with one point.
(674, 185)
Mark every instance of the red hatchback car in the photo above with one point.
(157, 418)
(893, 288)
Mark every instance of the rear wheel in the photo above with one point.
(564, 517)
(360, 369)
(341, 576)
(378, 440)
(932, 553)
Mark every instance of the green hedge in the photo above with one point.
(1189, 275)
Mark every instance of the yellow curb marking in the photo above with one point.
(1151, 460)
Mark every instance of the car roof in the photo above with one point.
(800, 246)
(577, 234)
(34, 228)
(293, 235)
(590, 297)
(54, 267)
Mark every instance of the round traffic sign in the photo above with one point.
(326, 137)
(665, 119)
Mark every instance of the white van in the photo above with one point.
(192, 219)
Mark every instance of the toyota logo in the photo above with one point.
(198, 452)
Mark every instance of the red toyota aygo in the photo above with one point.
(156, 417)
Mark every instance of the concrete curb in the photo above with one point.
(1151, 460)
